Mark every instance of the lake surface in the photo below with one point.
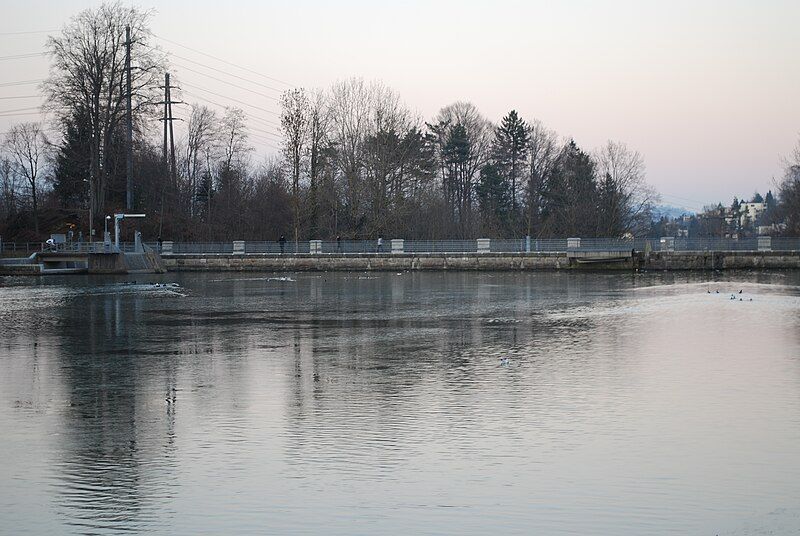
(432, 403)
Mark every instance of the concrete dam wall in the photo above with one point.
(483, 261)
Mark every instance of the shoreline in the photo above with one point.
(583, 261)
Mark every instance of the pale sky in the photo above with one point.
(707, 91)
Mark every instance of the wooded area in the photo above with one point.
(354, 161)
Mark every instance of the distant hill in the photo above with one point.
(670, 211)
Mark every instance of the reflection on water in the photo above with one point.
(428, 402)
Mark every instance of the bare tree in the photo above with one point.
(232, 171)
(318, 151)
(87, 78)
(295, 112)
(201, 141)
(8, 187)
(350, 115)
(626, 200)
(385, 154)
(28, 148)
(464, 138)
(234, 137)
(789, 193)
(543, 153)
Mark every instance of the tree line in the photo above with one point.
(354, 161)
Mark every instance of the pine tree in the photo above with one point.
(72, 164)
(510, 152)
(494, 195)
(570, 197)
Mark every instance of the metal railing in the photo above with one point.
(549, 245)
(26, 249)
(520, 245)
(19, 249)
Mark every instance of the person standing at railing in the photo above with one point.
(160, 243)
(380, 243)
(338, 243)
(282, 242)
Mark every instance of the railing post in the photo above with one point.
(764, 243)
(484, 245)
(315, 246)
(238, 247)
(398, 245)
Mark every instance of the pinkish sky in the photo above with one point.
(707, 91)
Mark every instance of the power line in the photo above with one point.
(24, 113)
(23, 56)
(266, 143)
(225, 72)
(27, 33)
(226, 82)
(685, 200)
(22, 82)
(249, 115)
(222, 60)
(19, 109)
(265, 132)
(232, 99)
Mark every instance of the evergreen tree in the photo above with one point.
(72, 164)
(494, 198)
(570, 197)
(457, 154)
(769, 200)
(609, 207)
(510, 153)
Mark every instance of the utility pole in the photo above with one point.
(171, 138)
(129, 123)
(166, 118)
(171, 175)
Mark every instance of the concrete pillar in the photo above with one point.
(238, 247)
(137, 242)
(484, 245)
(398, 245)
(573, 243)
(764, 243)
(667, 243)
(315, 246)
(528, 244)
(166, 247)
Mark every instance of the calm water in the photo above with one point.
(363, 404)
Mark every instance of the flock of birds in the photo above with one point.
(505, 361)
(733, 296)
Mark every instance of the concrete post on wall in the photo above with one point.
(484, 245)
(573, 243)
(238, 247)
(667, 243)
(137, 242)
(166, 247)
(528, 244)
(764, 243)
(398, 245)
(315, 246)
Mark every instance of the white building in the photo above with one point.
(750, 212)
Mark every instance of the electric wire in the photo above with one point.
(221, 60)
(243, 103)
